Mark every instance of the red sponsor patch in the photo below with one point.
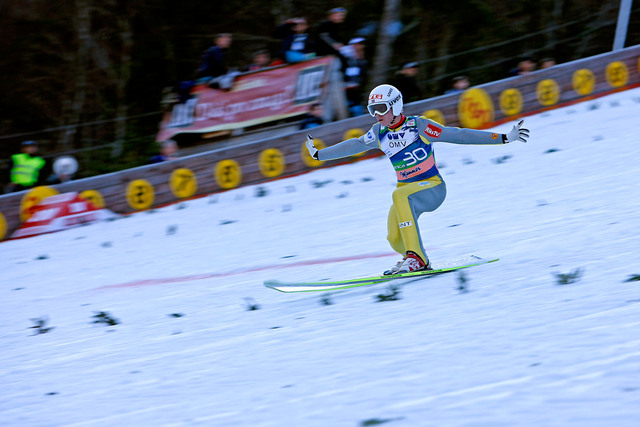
(432, 130)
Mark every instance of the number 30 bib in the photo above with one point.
(410, 154)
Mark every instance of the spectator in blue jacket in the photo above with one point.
(214, 59)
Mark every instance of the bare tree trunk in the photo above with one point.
(75, 106)
(126, 37)
(440, 68)
(553, 20)
(282, 8)
(118, 73)
(422, 50)
(382, 57)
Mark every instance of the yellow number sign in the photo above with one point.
(548, 92)
(183, 183)
(140, 194)
(271, 162)
(228, 174)
(617, 74)
(583, 81)
(511, 102)
(94, 197)
(475, 108)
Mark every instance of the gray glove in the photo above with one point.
(516, 134)
(313, 151)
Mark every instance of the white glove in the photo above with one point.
(313, 151)
(516, 134)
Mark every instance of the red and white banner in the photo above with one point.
(255, 98)
(60, 212)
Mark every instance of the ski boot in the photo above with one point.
(395, 268)
(412, 262)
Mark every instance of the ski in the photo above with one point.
(324, 286)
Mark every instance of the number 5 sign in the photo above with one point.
(271, 162)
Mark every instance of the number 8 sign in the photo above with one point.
(228, 174)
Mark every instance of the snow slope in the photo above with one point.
(510, 347)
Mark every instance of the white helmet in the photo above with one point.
(385, 97)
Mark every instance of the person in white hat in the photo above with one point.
(408, 143)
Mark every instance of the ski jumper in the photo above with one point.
(420, 188)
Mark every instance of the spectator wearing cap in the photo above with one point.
(355, 75)
(406, 80)
(26, 169)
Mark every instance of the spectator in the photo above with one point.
(547, 63)
(261, 59)
(330, 34)
(297, 45)
(214, 59)
(355, 76)
(406, 81)
(27, 169)
(313, 117)
(168, 151)
(525, 66)
(458, 84)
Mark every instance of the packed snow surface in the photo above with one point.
(161, 318)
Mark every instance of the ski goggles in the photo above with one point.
(380, 109)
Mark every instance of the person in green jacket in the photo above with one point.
(26, 168)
